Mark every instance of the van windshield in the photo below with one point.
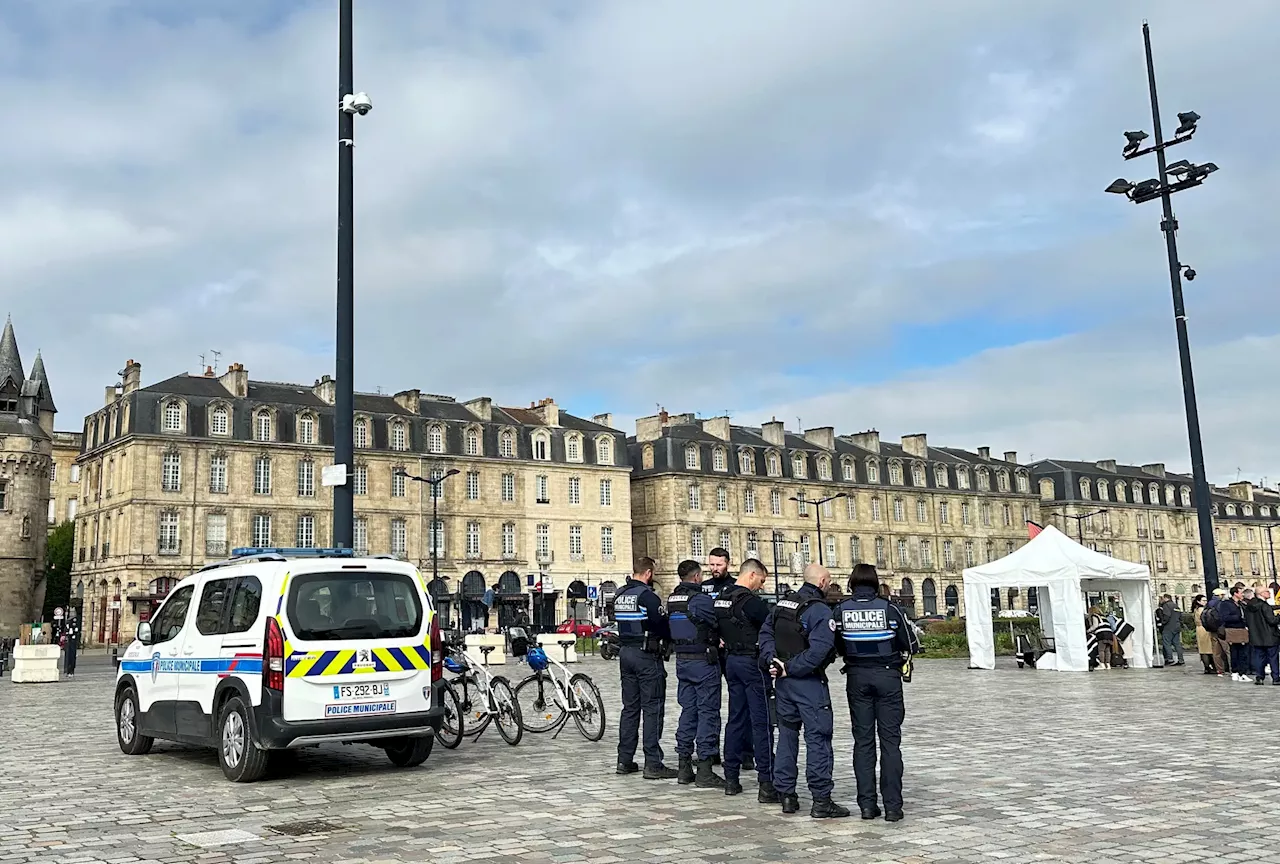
(328, 606)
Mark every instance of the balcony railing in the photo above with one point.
(1162, 566)
(575, 556)
(167, 546)
(1142, 533)
(546, 556)
(607, 557)
(1158, 533)
(215, 547)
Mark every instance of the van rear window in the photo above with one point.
(329, 606)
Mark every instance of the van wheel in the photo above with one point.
(128, 729)
(241, 761)
(410, 752)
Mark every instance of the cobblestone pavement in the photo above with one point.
(1005, 765)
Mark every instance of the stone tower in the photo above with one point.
(26, 427)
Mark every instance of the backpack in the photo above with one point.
(1210, 619)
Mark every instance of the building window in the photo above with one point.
(1002, 481)
(360, 536)
(360, 433)
(899, 511)
(397, 481)
(541, 447)
(218, 473)
(691, 457)
(606, 543)
(307, 479)
(544, 496)
(917, 475)
(722, 499)
(855, 550)
(824, 468)
(851, 505)
(360, 480)
(799, 466)
(749, 500)
(508, 487)
(435, 439)
(775, 502)
(802, 504)
(962, 478)
(399, 544)
(724, 539)
(948, 555)
(306, 537)
(1185, 494)
(575, 491)
(806, 551)
(1191, 558)
(473, 485)
(831, 551)
(261, 531)
(573, 449)
(262, 475)
(944, 512)
(922, 511)
(966, 513)
(399, 440)
(1009, 546)
(543, 542)
(436, 492)
(985, 509)
(1024, 483)
(773, 464)
(746, 462)
(306, 429)
(969, 558)
(904, 559)
(508, 540)
(435, 539)
(881, 561)
(262, 425)
(215, 534)
(604, 451)
(172, 417)
(171, 472)
(940, 477)
(1008, 516)
(695, 496)
(473, 442)
(695, 544)
(507, 444)
(895, 474)
(926, 553)
(473, 539)
(875, 509)
(606, 493)
(718, 461)
(169, 542)
(753, 544)
(575, 542)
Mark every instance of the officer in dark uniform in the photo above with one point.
(72, 633)
(739, 615)
(720, 579)
(797, 643)
(876, 640)
(695, 641)
(642, 637)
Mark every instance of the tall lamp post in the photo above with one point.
(1271, 551)
(777, 540)
(349, 104)
(1186, 175)
(817, 509)
(1079, 519)
(435, 483)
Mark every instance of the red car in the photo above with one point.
(581, 629)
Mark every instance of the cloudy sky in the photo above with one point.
(833, 212)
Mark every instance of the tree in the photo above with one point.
(57, 568)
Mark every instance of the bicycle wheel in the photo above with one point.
(506, 710)
(539, 709)
(590, 716)
(450, 732)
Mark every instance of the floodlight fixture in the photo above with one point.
(1120, 186)
(1182, 166)
(1187, 121)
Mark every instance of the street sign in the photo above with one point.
(333, 475)
(548, 585)
(58, 613)
(593, 593)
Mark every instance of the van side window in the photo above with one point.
(245, 604)
(213, 602)
(172, 615)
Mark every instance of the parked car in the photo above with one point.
(580, 628)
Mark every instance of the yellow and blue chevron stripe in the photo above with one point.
(312, 664)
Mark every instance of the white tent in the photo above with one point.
(1060, 570)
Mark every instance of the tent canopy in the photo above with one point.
(1061, 570)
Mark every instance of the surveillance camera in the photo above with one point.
(1190, 274)
(357, 103)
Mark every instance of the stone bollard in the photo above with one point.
(35, 664)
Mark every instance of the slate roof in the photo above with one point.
(10, 359)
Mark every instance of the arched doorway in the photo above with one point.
(608, 590)
(929, 591)
(952, 596)
(510, 599)
(907, 597)
(576, 595)
(474, 612)
(884, 590)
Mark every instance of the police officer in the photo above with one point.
(72, 633)
(876, 640)
(797, 643)
(718, 566)
(739, 615)
(642, 635)
(695, 641)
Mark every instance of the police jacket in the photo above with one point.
(872, 631)
(716, 585)
(692, 618)
(801, 633)
(739, 614)
(638, 612)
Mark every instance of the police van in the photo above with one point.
(278, 649)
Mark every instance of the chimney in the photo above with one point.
(869, 440)
(650, 428)
(236, 380)
(547, 411)
(774, 432)
(916, 445)
(111, 394)
(208, 371)
(823, 436)
(132, 377)
(1107, 465)
(1241, 490)
(325, 389)
(409, 400)
(1155, 469)
(1011, 456)
(605, 420)
(481, 407)
(984, 453)
(717, 426)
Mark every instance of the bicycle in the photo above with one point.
(556, 695)
(496, 701)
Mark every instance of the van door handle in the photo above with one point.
(188, 651)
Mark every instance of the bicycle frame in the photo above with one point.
(562, 693)
(478, 674)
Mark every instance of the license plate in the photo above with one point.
(343, 692)
(359, 709)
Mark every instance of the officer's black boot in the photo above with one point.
(749, 762)
(893, 816)
(686, 775)
(872, 812)
(790, 803)
(707, 777)
(715, 760)
(767, 794)
(732, 786)
(825, 808)
(628, 768)
(658, 772)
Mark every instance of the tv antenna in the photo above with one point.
(216, 355)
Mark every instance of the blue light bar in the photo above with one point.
(249, 551)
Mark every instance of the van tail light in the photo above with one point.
(437, 650)
(273, 657)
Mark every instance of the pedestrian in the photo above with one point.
(71, 648)
(740, 612)
(695, 641)
(1100, 628)
(1236, 633)
(643, 631)
(720, 579)
(1260, 620)
(797, 644)
(1169, 618)
(1221, 650)
(1204, 639)
(876, 640)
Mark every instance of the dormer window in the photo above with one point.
(1084, 488)
(360, 432)
(846, 470)
(773, 464)
(306, 429)
(873, 471)
(1119, 487)
(1185, 494)
(1153, 493)
(507, 444)
(220, 421)
(399, 436)
(962, 478)
(940, 477)
(435, 438)
(895, 473)
(573, 448)
(1247, 509)
(824, 468)
(718, 461)
(1002, 480)
(541, 446)
(1103, 493)
(604, 450)
(917, 475)
(746, 462)
(984, 480)
(473, 442)
(799, 466)
(262, 425)
(1231, 509)
(1024, 482)
(173, 417)
(1137, 492)
(691, 460)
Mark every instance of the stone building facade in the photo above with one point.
(920, 513)
(179, 473)
(26, 433)
(64, 477)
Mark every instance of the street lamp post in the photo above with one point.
(817, 509)
(777, 538)
(435, 483)
(1079, 519)
(1271, 551)
(1187, 175)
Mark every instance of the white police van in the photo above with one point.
(277, 649)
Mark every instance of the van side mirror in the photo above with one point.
(144, 633)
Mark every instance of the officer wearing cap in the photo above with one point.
(739, 616)
(695, 641)
(642, 634)
(720, 579)
(876, 641)
(797, 643)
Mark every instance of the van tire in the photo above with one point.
(410, 752)
(240, 758)
(129, 725)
